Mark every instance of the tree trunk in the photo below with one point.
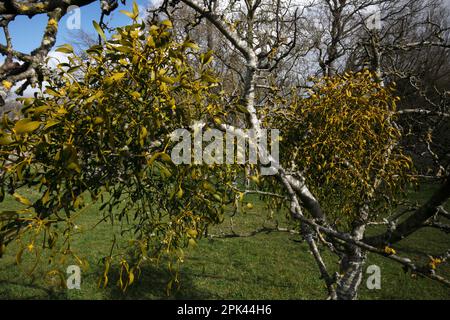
(352, 269)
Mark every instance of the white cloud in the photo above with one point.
(155, 3)
(55, 58)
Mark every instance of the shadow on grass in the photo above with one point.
(152, 284)
(39, 291)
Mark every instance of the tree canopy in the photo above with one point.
(100, 130)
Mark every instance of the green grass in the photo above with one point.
(273, 265)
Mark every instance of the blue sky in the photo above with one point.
(27, 33)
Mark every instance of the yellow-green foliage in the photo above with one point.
(100, 130)
(342, 135)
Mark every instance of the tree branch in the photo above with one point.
(31, 8)
(416, 220)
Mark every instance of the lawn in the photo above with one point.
(274, 265)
